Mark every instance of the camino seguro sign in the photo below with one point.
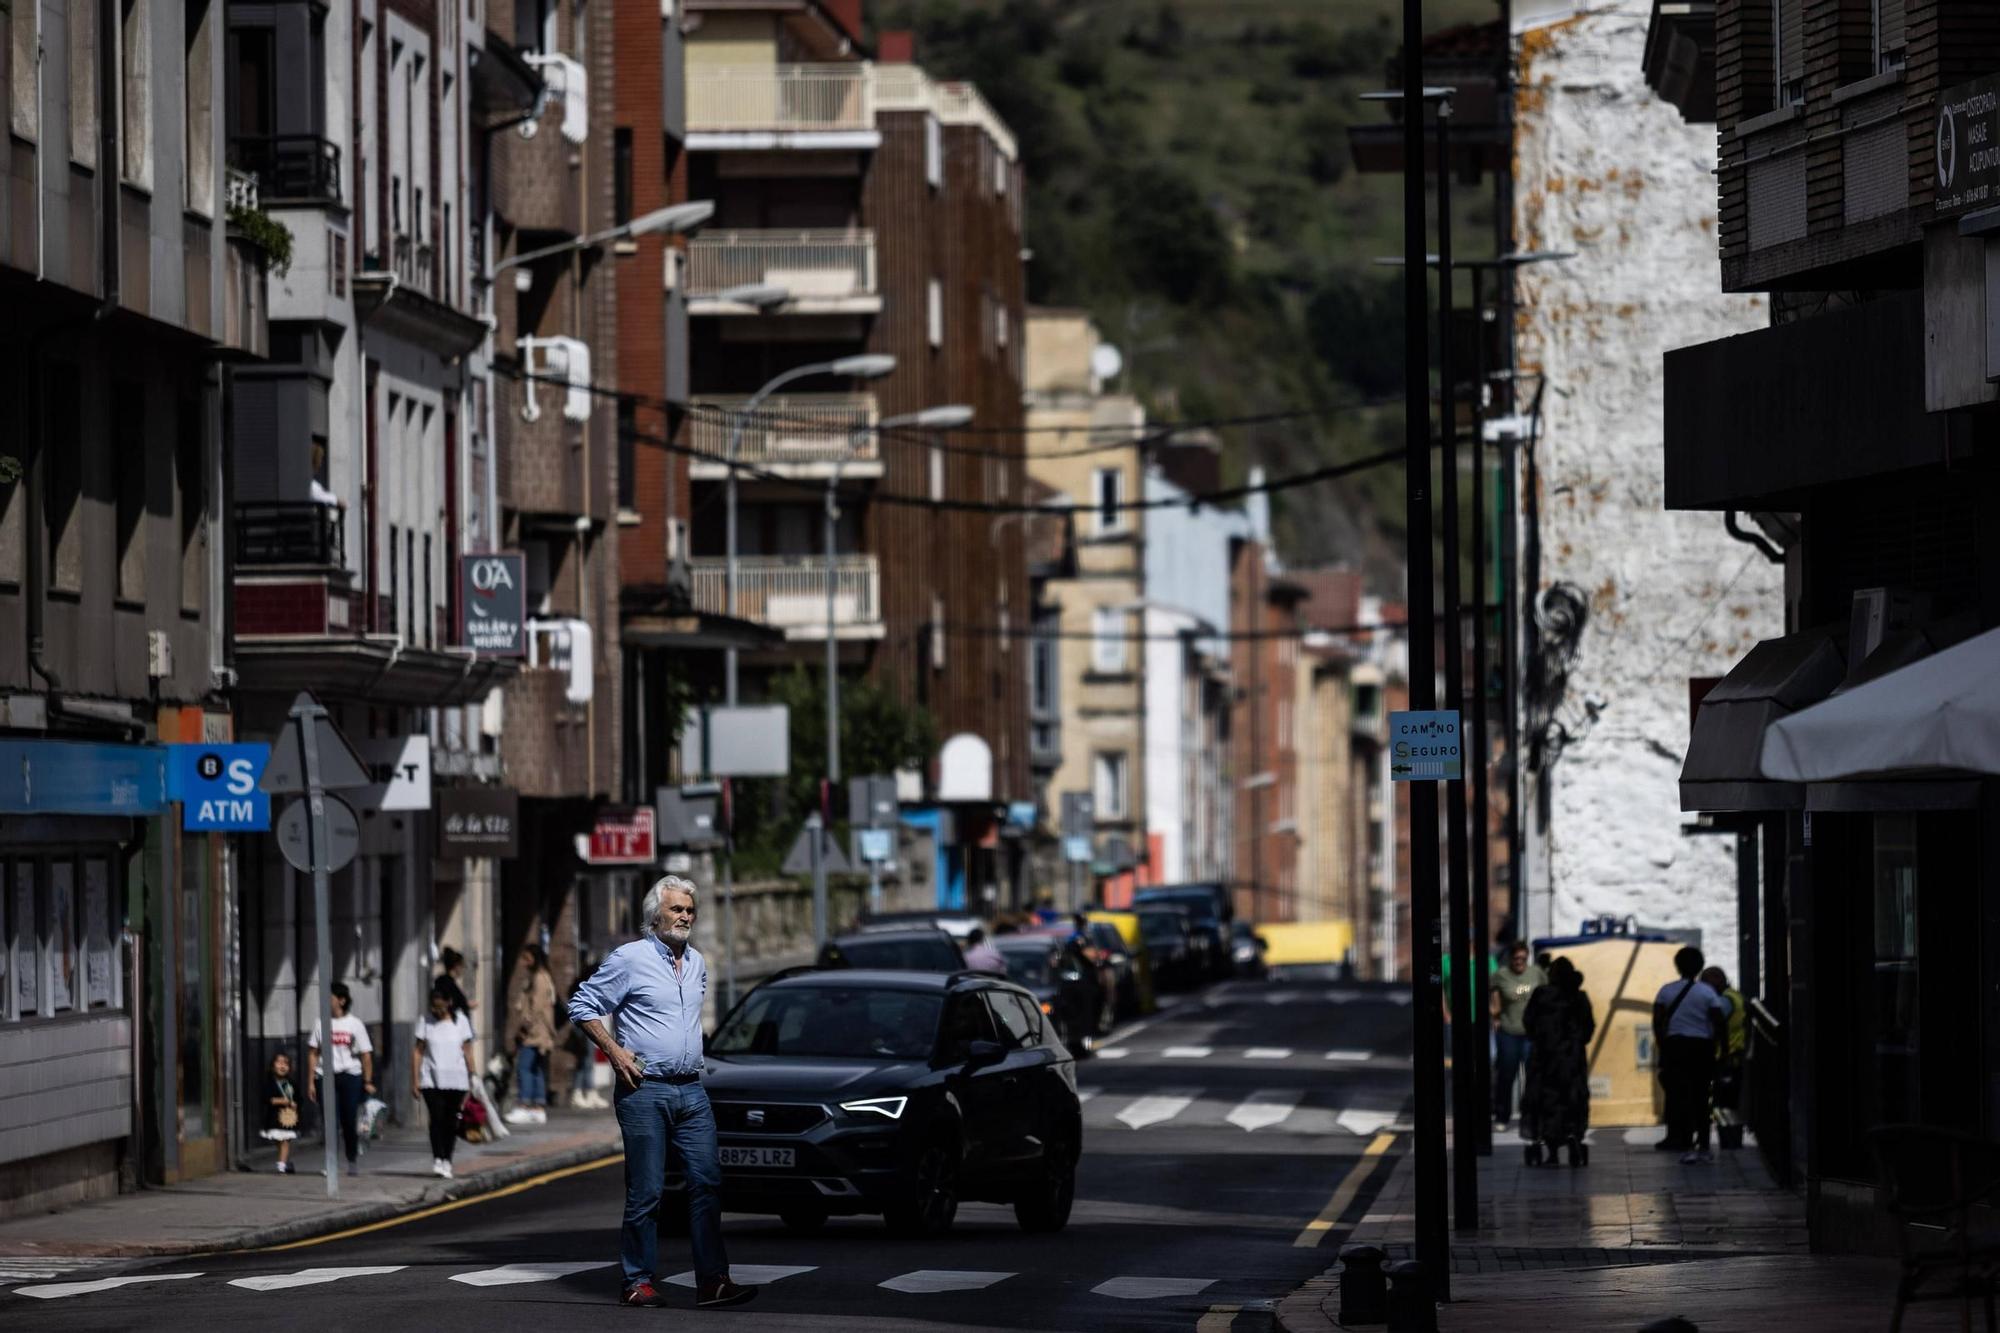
(1425, 747)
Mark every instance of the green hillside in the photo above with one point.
(1190, 185)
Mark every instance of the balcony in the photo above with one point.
(909, 88)
(290, 534)
(540, 452)
(416, 265)
(798, 435)
(291, 574)
(763, 107)
(827, 272)
(789, 593)
(292, 170)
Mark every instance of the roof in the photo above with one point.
(886, 978)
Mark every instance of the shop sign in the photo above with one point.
(479, 821)
(82, 778)
(401, 767)
(623, 836)
(493, 592)
(1968, 148)
(217, 786)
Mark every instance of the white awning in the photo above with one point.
(1940, 714)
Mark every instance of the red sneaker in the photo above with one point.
(642, 1294)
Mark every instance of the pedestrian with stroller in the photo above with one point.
(1555, 1109)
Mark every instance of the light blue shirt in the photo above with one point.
(654, 1012)
(1692, 1018)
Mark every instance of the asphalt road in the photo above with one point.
(1220, 1139)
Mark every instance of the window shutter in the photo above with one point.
(1791, 51)
(1889, 23)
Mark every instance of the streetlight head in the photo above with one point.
(947, 417)
(763, 295)
(679, 219)
(869, 366)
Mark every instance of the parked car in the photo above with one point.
(1037, 964)
(1247, 950)
(1131, 963)
(1089, 1002)
(1170, 940)
(925, 949)
(898, 1093)
(958, 925)
(1211, 912)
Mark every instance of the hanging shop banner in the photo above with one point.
(479, 821)
(493, 597)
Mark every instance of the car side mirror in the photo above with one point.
(981, 1054)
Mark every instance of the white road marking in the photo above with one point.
(927, 1280)
(1152, 1110)
(1347, 1055)
(752, 1275)
(1085, 1094)
(1127, 1032)
(19, 1268)
(1364, 1122)
(1113, 1053)
(1188, 1052)
(55, 1291)
(513, 1275)
(1282, 997)
(1151, 1288)
(1268, 1053)
(1264, 1108)
(309, 1277)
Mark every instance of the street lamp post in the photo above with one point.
(676, 220)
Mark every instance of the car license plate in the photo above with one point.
(764, 1157)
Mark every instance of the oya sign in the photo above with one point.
(1968, 148)
(493, 601)
(1424, 747)
(217, 787)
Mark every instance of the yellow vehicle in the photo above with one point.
(1135, 972)
(1305, 943)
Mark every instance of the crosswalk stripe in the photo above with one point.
(1153, 1110)
(1265, 1108)
(1356, 1121)
(511, 1275)
(55, 1291)
(926, 1281)
(1151, 1288)
(1114, 1053)
(1085, 1094)
(1347, 1055)
(310, 1277)
(1268, 1053)
(1188, 1052)
(753, 1275)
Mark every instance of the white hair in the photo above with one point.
(656, 897)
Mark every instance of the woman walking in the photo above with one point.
(353, 1071)
(1556, 1106)
(441, 1073)
(531, 1019)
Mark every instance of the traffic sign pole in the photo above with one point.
(813, 834)
(306, 713)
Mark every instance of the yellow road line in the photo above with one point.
(547, 1177)
(1343, 1194)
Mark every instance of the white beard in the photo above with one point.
(676, 934)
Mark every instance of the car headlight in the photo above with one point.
(889, 1108)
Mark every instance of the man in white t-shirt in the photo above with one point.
(1688, 1019)
(353, 1071)
(441, 1073)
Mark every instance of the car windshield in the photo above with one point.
(854, 1022)
(1160, 926)
(908, 953)
(1199, 904)
(1029, 967)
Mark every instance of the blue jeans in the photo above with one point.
(531, 1077)
(654, 1117)
(1510, 1055)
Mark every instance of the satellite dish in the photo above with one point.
(1106, 361)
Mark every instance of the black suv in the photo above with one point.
(899, 1093)
(924, 949)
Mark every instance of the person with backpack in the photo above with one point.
(1689, 1018)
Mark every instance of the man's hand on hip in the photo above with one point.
(629, 1069)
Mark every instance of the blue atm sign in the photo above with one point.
(217, 786)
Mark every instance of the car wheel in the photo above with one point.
(1046, 1206)
(933, 1200)
(803, 1221)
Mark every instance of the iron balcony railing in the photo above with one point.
(789, 592)
(722, 98)
(809, 265)
(290, 168)
(290, 533)
(794, 429)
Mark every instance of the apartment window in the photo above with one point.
(1367, 698)
(1790, 27)
(1107, 639)
(62, 451)
(937, 632)
(937, 473)
(621, 175)
(936, 311)
(83, 82)
(26, 113)
(1111, 773)
(191, 493)
(199, 83)
(135, 56)
(1042, 666)
(1000, 333)
(1108, 494)
(934, 152)
(1889, 38)
(395, 575)
(430, 598)
(410, 586)
(628, 453)
(128, 466)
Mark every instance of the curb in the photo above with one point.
(306, 1228)
(1304, 1311)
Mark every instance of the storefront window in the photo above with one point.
(60, 929)
(191, 948)
(1895, 1015)
(27, 943)
(100, 965)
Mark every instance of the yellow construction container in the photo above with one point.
(1290, 943)
(1621, 975)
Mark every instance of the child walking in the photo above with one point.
(281, 1110)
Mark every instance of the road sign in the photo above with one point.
(623, 836)
(1425, 747)
(493, 590)
(401, 767)
(877, 844)
(798, 861)
(217, 786)
(1079, 814)
(1076, 850)
(343, 834)
(340, 769)
(743, 742)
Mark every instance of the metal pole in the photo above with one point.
(832, 642)
(1426, 990)
(729, 558)
(305, 716)
(728, 892)
(814, 830)
(1482, 914)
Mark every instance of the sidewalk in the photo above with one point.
(1631, 1238)
(254, 1208)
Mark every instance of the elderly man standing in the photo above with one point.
(650, 991)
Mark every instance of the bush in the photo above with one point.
(1356, 329)
(1169, 238)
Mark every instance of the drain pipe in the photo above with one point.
(1734, 527)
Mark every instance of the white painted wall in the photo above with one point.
(1609, 171)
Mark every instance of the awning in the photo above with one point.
(1774, 680)
(1935, 718)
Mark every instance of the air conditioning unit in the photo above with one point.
(1877, 614)
(565, 359)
